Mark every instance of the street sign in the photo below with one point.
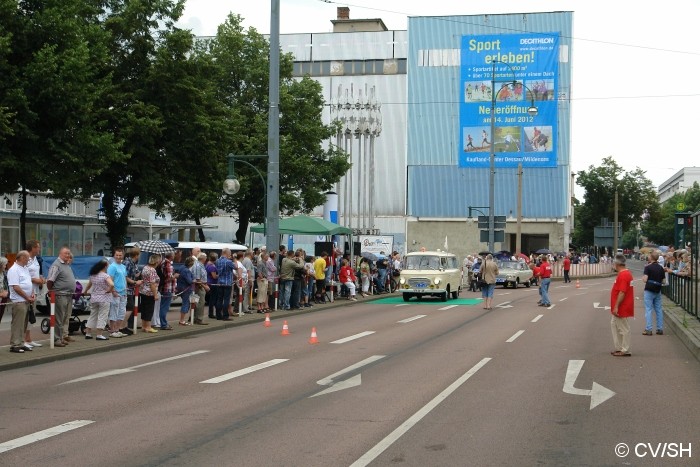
(498, 236)
(499, 222)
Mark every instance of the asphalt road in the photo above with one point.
(448, 386)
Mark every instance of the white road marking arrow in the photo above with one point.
(597, 305)
(348, 383)
(121, 371)
(504, 305)
(598, 393)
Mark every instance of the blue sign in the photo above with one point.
(526, 70)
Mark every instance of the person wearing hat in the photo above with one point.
(621, 307)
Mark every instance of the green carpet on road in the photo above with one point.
(427, 301)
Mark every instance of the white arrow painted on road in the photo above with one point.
(597, 305)
(598, 393)
(504, 305)
(340, 385)
(348, 383)
(121, 371)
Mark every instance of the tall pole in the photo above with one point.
(518, 234)
(272, 220)
(615, 232)
(492, 159)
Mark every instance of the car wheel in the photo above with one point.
(455, 294)
(445, 294)
(406, 297)
(528, 284)
(45, 325)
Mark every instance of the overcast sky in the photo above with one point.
(636, 66)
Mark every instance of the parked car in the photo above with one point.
(514, 273)
(430, 273)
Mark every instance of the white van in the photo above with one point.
(431, 273)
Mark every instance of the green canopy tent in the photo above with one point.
(305, 225)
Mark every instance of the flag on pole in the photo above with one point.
(445, 245)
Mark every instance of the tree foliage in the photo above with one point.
(636, 198)
(660, 230)
(307, 170)
(108, 97)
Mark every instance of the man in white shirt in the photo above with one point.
(34, 267)
(21, 296)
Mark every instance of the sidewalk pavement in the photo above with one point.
(82, 346)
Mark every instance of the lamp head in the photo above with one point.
(532, 110)
(231, 186)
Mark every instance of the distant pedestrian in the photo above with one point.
(62, 281)
(621, 307)
(567, 267)
(4, 287)
(653, 279)
(101, 298)
(21, 295)
(185, 287)
(489, 271)
(545, 276)
(149, 292)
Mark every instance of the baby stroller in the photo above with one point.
(81, 304)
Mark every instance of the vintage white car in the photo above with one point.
(430, 273)
(513, 273)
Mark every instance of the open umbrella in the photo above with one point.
(524, 257)
(155, 246)
(368, 255)
(484, 253)
(543, 251)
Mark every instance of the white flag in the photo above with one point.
(445, 245)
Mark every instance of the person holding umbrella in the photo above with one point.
(149, 292)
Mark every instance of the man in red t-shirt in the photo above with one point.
(567, 268)
(621, 307)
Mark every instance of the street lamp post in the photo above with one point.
(233, 186)
(532, 110)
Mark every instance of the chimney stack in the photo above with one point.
(343, 12)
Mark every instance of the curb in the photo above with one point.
(684, 325)
(65, 353)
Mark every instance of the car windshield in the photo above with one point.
(422, 262)
(508, 265)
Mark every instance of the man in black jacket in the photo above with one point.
(653, 279)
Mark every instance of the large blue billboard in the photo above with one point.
(526, 70)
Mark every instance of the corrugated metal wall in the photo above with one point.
(437, 186)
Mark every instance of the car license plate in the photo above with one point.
(421, 285)
(499, 280)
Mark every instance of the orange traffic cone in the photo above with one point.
(578, 284)
(285, 329)
(314, 338)
(267, 323)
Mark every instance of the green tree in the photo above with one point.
(636, 198)
(137, 30)
(53, 83)
(307, 170)
(198, 128)
(660, 228)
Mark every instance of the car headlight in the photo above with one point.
(436, 281)
(510, 277)
(402, 280)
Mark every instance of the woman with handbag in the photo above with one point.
(102, 293)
